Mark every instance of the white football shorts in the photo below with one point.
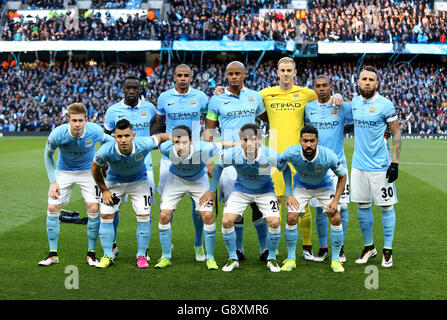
(344, 196)
(372, 185)
(323, 195)
(177, 187)
(138, 192)
(164, 171)
(68, 179)
(239, 201)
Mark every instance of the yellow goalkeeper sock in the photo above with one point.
(306, 227)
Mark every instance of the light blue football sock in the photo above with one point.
(336, 240)
(344, 220)
(366, 224)
(106, 234)
(261, 231)
(321, 221)
(53, 229)
(210, 239)
(143, 236)
(229, 237)
(291, 236)
(165, 239)
(273, 238)
(198, 227)
(93, 222)
(388, 225)
(239, 229)
(116, 221)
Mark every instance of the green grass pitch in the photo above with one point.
(419, 244)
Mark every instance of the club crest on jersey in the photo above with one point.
(143, 113)
(318, 168)
(250, 99)
(138, 157)
(296, 96)
(334, 111)
(89, 143)
(372, 110)
(193, 102)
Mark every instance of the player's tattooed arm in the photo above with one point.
(396, 139)
(107, 196)
(158, 123)
(264, 117)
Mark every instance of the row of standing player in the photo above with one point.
(171, 107)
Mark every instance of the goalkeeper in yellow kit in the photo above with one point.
(285, 112)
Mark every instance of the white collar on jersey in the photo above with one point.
(372, 99)
(227, 92)
(182, 94)
(304, 158)
(118, 150)
(127, 106)
(191, 151)
(251, 161)
(81, 136)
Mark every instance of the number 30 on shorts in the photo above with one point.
(387, 193)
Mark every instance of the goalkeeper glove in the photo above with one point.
(392, 172)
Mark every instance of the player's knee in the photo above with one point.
(109, 216)
(273, 223)
(364, 205)
(207, 217)
(92, 207)
(92, 215)
(292, 218)
(143, 218)
(227, 223)
(165, 217)
(54, 207)
(387, 208)
(336, 219)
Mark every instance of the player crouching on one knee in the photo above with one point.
(253, 162)
(312, 180)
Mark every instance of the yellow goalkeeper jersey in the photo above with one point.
(285, 110)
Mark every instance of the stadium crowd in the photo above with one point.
(399, 21)
(40, 92)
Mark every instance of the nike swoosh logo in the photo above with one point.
(170, 104)
(354, 108)
(312, 112)
(227, 102)
(120, 116)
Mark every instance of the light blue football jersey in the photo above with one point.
(141, 117)
(329, 122)
(183, 109)
(370, 121)
(253, 177)
(126, 168)
(194, 166)
(76, 154)
(313, 174)
(233, 112)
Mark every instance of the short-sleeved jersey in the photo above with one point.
(141, 117)
(183, 109)
(370, 121)
(233, 112)
(193, 166)
(76, 154)
(253, 177)
(329, 122)
(126, 168)
(285, 110)
(313, 174)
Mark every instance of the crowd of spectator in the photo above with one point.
(398, 21)
(34, 97)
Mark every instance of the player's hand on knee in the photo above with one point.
(207, 197)
(336, 100)
(292, 204)
(107, 198)
(392, 172)
(54, 191)
(332, 208)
